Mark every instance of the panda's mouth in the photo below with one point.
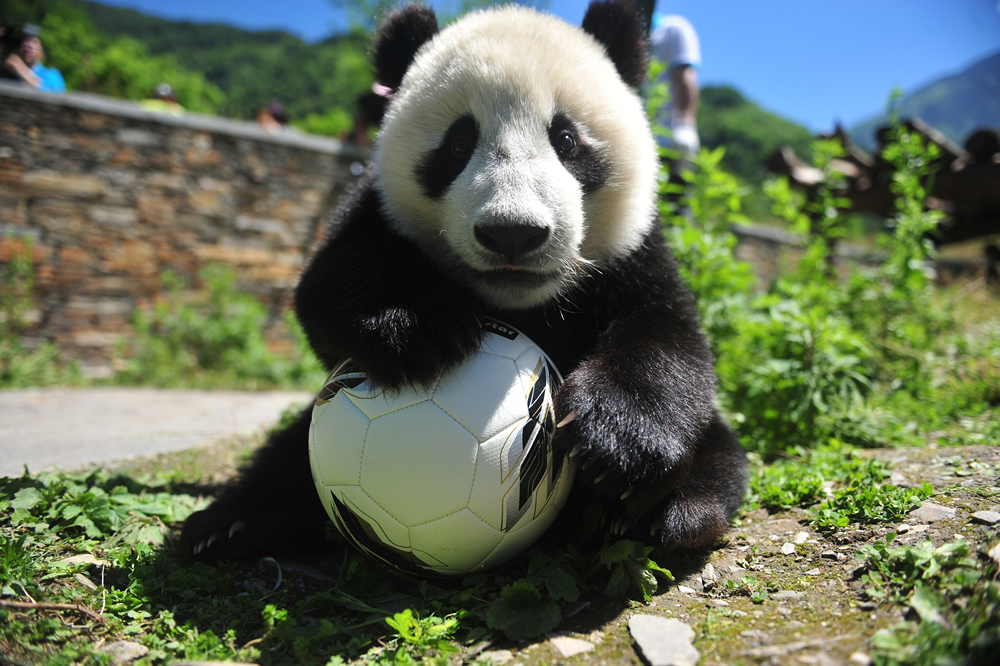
(512, 275)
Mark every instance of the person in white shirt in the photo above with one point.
(675, 43)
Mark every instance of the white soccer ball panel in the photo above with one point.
(490, 483)
(460, 542)
(419, 463)
(336, 440)
(460, 394)
(376, 521)
(376, 402)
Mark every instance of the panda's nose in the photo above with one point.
(511, 240)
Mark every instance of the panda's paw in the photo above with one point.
(413, 346)
(218, 533)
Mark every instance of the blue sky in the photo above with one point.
(813, 61)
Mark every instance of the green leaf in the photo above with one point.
(26, 498)
(520, 612)
(928, 605)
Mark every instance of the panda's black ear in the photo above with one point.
(616, 25)
(400, 35)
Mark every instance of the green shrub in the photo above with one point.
(21, 366)
(215, 343)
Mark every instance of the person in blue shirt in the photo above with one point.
(26, 66)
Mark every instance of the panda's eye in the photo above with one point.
(565, 143)
(460, 147)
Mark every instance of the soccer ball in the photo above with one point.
(451, 478)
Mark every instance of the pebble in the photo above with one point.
(122, 652)
(708, 577)
(496, 656)
(787, 548)
(784, 610)
(684, 589)
(569, 647)
(718, 603)
(986, 517)
(787, 594)
(801, 537)
(664, 641)
(812, 572)
(931, 513)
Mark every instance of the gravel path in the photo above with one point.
(69, 428)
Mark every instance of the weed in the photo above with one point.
(20, 365)
(216, 343)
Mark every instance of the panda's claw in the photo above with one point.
(212, 539)
(626, 494)
(237, 527)
(600, 477)
(566, 421)
(198, 547)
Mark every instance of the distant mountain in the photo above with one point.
(956, 105)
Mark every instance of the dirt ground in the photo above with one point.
(814, 613)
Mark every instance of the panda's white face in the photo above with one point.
(515, 156)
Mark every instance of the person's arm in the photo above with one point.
(18, 66)
(685, 94)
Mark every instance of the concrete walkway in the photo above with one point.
(67, 428)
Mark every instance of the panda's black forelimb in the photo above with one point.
(370, 295)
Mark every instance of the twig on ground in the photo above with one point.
(25, 605)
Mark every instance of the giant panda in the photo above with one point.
(514, 177)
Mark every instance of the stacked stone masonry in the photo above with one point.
(112, 196)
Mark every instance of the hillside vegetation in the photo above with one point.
(324, 79)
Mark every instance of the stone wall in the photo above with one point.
(112, 195)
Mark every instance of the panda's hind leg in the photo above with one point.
(272, 509)
(700, 509)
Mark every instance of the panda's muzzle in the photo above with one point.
(511, 240)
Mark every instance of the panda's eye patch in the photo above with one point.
(589, 165)
(439, 168)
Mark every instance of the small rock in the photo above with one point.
(787, 594)
(860, 658)
(868, 605)
(718, 603)
(986, 517)
(931, 513)
(787, 548)
(828, 554)
(684, 589)
(569, 647)
(664, 641)
(897, 479)
(994, 553)
(812, 572)
(708, 577)
(739, 613)
(800, 537)
(752, 633)
(784, 610)
(496, 656)
(122, 652)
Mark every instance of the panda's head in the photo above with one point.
(515, 151)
